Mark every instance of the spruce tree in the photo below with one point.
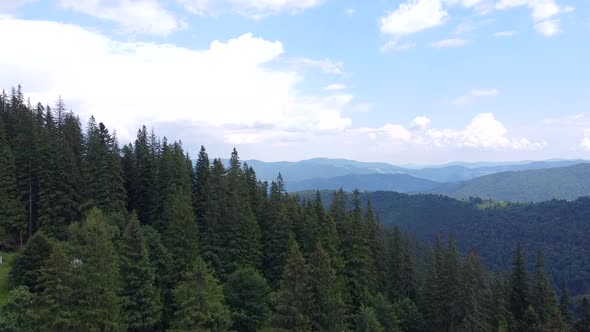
(17, 314)
(451, 286)
(386, 313)
(542, 294)
(475, 296)
(97, 264)
(393, 265)
(564, 303)
(56, 305)
(142, 306)
(247, 295)
(583, 324)
(203, 174)
(519, 299)
(28, 265)
(366, 320)
(530, 321)
(180, 232)
(211, 240)
(199, 301)
(435, 300)
(291, 303)
(12, 214)
(145, 198)
(329, 310)
(410, 317)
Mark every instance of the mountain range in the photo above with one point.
(529, 181)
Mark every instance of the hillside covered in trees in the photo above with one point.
(137, 238)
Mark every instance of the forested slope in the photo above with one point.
(526, 186)
(139, 239)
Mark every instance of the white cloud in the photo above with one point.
(543, 12)
(483, 132)
(350, 11)
(11, 4)
(138, 16)
(507, 33)
(450, 43)
(413, 16)
(326, 65)
(585, 143)
(252, 8)
(548, 28)
(227, 88)
(420, 122)
(335, 87)
(396, 45)
(475, 94)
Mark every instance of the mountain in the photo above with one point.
(323, 168)
(492, 229)
(366, 182)
(534, 185)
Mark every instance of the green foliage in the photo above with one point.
(291, 303)
(56, 305)
(519, 294)
(5, 268)
(329, 310)
(199, 302)
(366, 320)
(142, 306)
(410, 317)
(97, 269)
(247, 295)
(27, 265)
(17, 314)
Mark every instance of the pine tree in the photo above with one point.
(291, 302)
(410, 317)
(435, 301)
(248, 298)
(276, 241)
(56, 306)
(12, 214)
(451, 286)
(97, 264)
(129, 167)
(393, 265)
(180, 232)
(203, 174)
(502, 319)
(199, 301)
(519, 300)
(564, 303)
(530, 321)
(27, 266)
(376, 245)
(142, 306)
(542, 294)
(214, 191)
(475, 296)
(145, 198)
(329, 310)
(386, 313)
(366, 320)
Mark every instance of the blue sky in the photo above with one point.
(411, 81)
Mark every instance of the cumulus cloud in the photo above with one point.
(483, 132)
(543, 12)
(226, 87)
(138, 16)
(413, 16)
(475, 94)
(252, 8)
(450, 43)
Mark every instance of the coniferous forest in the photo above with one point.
(139, 238)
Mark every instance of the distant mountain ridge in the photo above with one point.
(321, 168)
(535, 185)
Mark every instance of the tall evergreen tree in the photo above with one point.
(329, 310)
(56, 305)
(475, 296)
(435, 299)
(519, 299)
(27, 267)
(145, 198)
(366, 320)
(248, 298)
(203, 174)
(564, 304)
(13, 223)
(542, 294)
(142, 306)
(291, 303)
(583, 324)
(199, 301)
(97, 264)
(451, 286)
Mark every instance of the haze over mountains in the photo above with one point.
(528, 181)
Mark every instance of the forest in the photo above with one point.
(139, 238)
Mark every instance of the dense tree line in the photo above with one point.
(140, 239)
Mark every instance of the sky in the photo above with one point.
(399, 81)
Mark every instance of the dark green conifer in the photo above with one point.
(247, 295)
